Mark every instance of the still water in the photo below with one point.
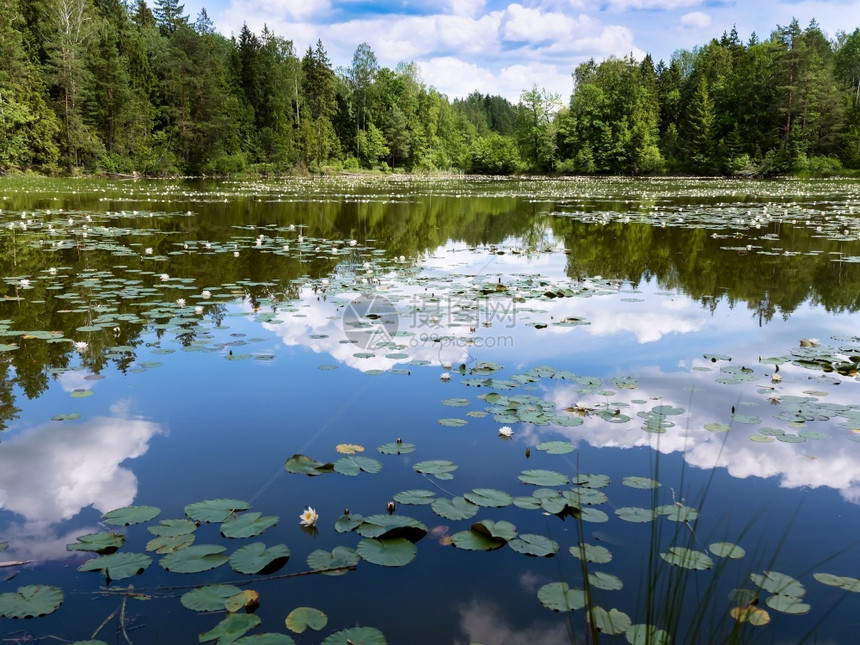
(675, 361)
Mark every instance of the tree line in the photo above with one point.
(110, 86)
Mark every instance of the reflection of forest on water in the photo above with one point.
(772, 276)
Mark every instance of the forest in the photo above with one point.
(104, 86)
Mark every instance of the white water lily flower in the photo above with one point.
(198, 310)
(81, 345)
(506, 431)
(24, 283)
(165, 277)
(53, 270)
(309, 517)
(206, 294)
(445, 376)
(235, 254)
(180, 302)
(148, 250)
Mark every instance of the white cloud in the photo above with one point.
(695, 20)
(521, 24)
(486, 623)
(465, 7)
(624, 5)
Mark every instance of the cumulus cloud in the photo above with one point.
(624, 5)
(695, 20)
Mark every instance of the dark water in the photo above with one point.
(231, 325)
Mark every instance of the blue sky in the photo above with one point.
(502, 47)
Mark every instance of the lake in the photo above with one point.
(521, 411)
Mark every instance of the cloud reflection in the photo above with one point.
(51, 472)
(485, 622)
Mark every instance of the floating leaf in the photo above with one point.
(556, 447)
(489, 498)
(348, 448)
(717, 427)
(458, 508)
(170, 543)
(30, 601)
(534, 545)
(129, 515)
(304, 465)
(677, 512)
(118, 565)
(453, 422)
(687, 558)
(173, 527)
(341, 559)
(495, 530)
(592, 481)
(391, 526)
(231, 628)
(726, 550)
(843, 582)
(646, 635)
(474, 541)
(353, 465)
(266, 639)
(356, 636)
(750, 614)
(779, 583)
(439, 468)
(194, 559)
(609, 622)
(787, 604)
(592, 553)
(559, 597)
(300, 618)
(579, 497)
(247, 525)
(539, 477)
(256, 558)
(103, 543)
(209, 597)
(636, 514)
(395, 552)
(416, 497)
(348, 521)
(248, 600)
(215, 510)
(644, 483)
(456, 403)
(396, 448)
(603, 580)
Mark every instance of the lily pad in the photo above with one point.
(636, 514)
(646, 635)
(247, 525)
(453, 422)
(395, 552)
(540, 477)
(457, 508)
(304, 465)
(231, 628)
(456, 403)
(534, 545)
(169, 543)
(609, 622)
(489, 498)
(173, 527)
(750, 614)
(439, 468)
(559, 597)
(603, 580)
(843, 582)
(30, 601)
(270, 638)
(592, 553)
(779, 583)
(787, 604)
(687, 558)
(643, 483)
(384, 526)
(354, 464)
(396, 448)
(556, 447)
(356, 636)
(474, 541)
(208, 597)
(415, 497)
(129, 515)
(215, 510)
(727, 550)
(340, 560)
(256, 558)
(194, 559)
(496, 530)
(592, 481)
(677, 512)
(103, 543)
(300, 618)
(118, 565)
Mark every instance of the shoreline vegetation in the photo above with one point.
(109, 88)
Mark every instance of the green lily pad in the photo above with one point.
(843, 582)
(534, 545)
(118, 565)
(559, 597)
(579, 497)
(717, 427)
(168, 528)
(209, 597)
(304, 465)
(415, 497)
(215, 510)
(340, 560)
(354, 464)
(103, 543)
(687, 558)
(457, 508)
(489, 498)
(270, 638)
(646, 635)
(643, 483)
(787, 604)
(592, 481)
(496, 530)
(474, 541)
(395, 552)
(384, 526)
(556, 447)
(194, 559)
(30, 601)
(456, 403)
(439, 468)
(603, 580)
(256, 558)
(396, 448)
(453, 422)
(348, 521)
(129, 515)
(356, 636)
(540, 477)
(231, 628)
(677, 512)
(247, 525)
(169, 543)
(300, 618)
(592, 553)
(726, 550)
(779, 583)
(609, 622)
(636, 514)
